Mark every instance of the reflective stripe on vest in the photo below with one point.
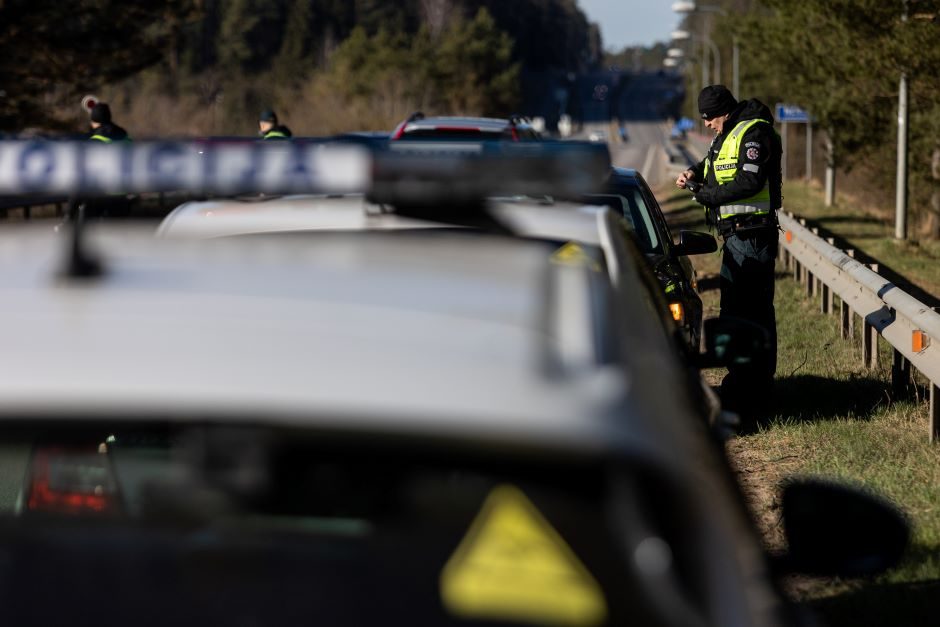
(275, 135)
(726, 168)
(101, 138)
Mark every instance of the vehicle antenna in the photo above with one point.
(79, 264)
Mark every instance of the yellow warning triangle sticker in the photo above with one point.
(512, 565)
(571, 254)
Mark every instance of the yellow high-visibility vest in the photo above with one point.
(726, 167)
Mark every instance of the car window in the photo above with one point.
(659, 218)
(636, 212)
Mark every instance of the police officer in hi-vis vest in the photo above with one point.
(739, 183)
(268, 127)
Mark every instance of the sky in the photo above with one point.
(631, 22)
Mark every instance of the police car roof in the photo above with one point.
(217, 218)
(444, 336)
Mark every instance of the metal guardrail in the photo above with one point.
(908, 325)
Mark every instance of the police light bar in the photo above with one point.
(89, 168)
(424, 172)
(416, 173)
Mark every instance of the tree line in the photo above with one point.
(209, 66)
(842, 61)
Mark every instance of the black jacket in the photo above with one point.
(760, 146)
(111, 131)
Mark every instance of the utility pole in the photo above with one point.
(900, 223)
(735, 82)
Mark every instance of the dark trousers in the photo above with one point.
(747, 292)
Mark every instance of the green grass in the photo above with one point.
(835, 418)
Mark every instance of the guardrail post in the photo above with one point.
(814, 280)
(846, 315)
(810, 280)
(934, 412)
(826, 303)
(872, 333)
(900, 374)
(851, 324)
(851, 253)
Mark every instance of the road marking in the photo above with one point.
(650, 154)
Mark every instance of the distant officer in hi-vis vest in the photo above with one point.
(106, 131)
(739, 183)
(268, 127)
(103, 128)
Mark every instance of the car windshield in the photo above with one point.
(302, 524)
(629, 201)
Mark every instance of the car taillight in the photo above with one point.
(515, 134)
(72, 480)
(678, 314)
(399, 131)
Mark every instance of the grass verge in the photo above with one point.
(837, 419)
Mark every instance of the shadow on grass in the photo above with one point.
(885, 605)
(880, 604)
(808, 398)
(709, 283)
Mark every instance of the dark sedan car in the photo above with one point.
(629, 191)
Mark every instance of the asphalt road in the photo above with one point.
(640, 105)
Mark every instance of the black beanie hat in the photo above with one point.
(267, 116)
(101, 113)
(715, 100)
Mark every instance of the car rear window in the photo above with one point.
(354, 530)
(452, 134)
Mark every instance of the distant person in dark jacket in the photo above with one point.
(269, 128)
(103, 129)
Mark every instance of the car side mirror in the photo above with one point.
(734, 341)
(836, 530)
(694, 243)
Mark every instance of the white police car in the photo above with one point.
(425, 426)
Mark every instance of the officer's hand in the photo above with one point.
(684, 178)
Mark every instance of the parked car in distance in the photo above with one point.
(454, 128)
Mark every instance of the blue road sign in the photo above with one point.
(791, 113)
